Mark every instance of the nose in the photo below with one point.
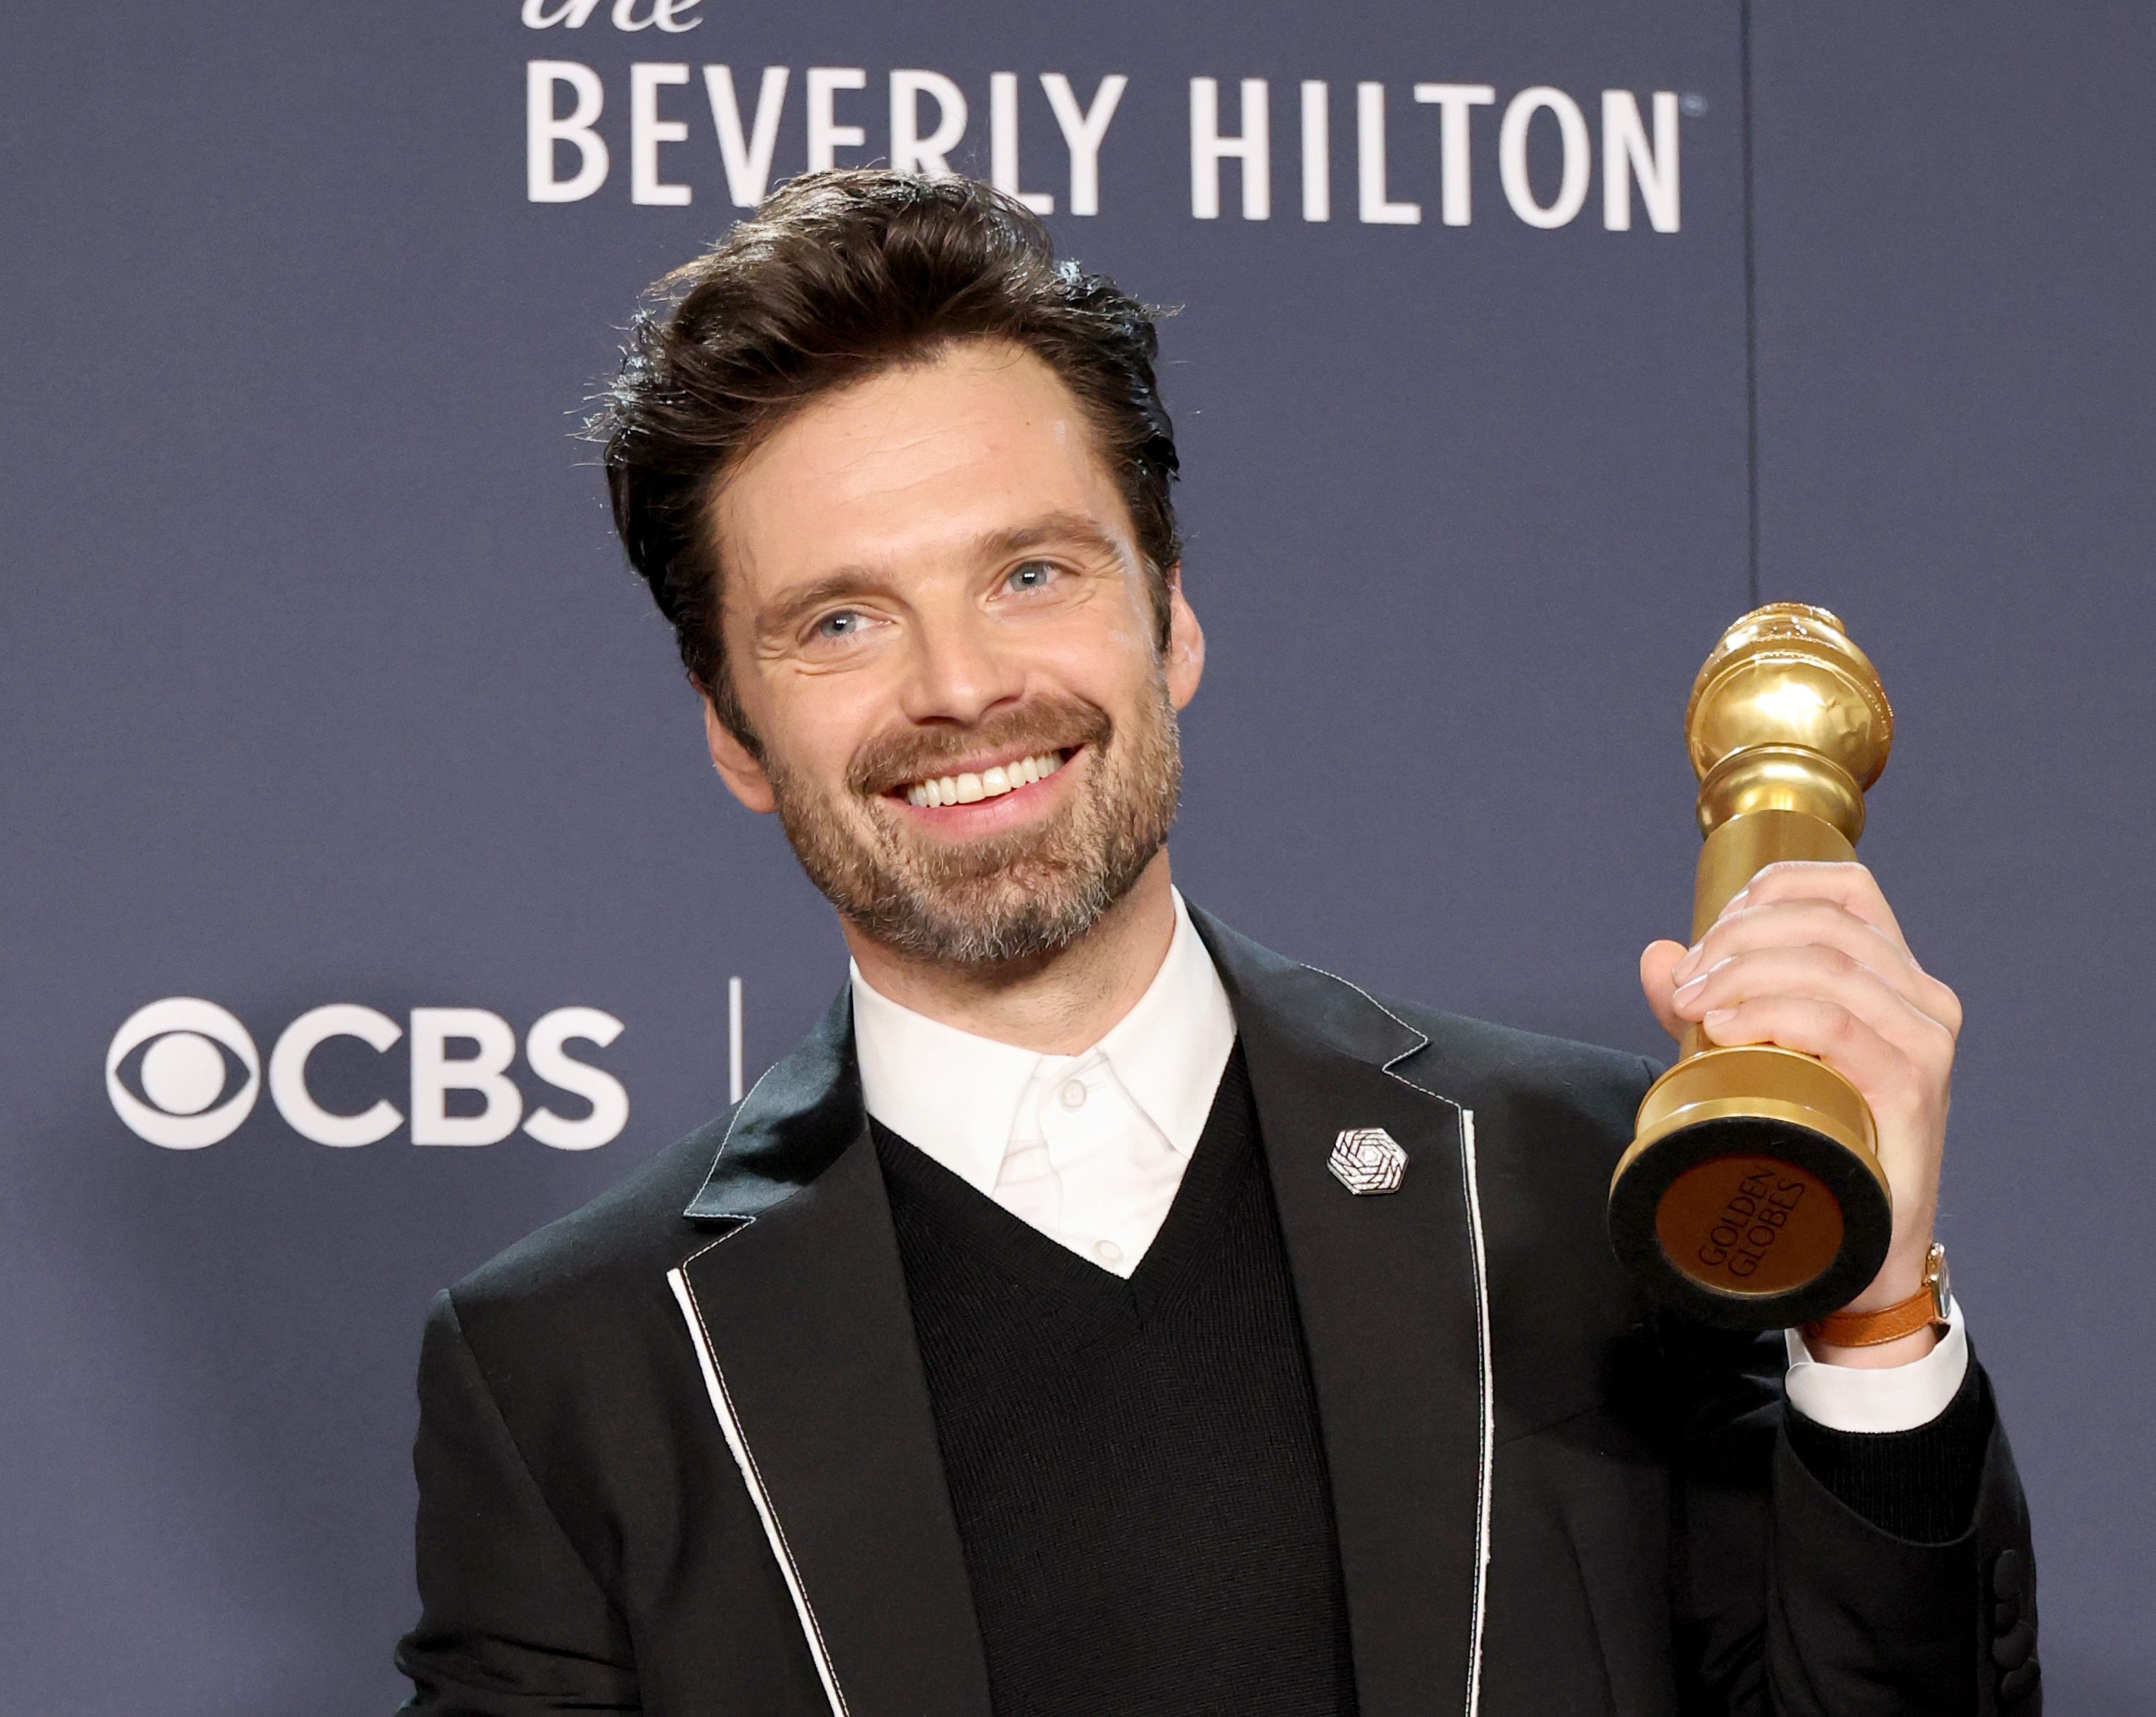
(959, 670)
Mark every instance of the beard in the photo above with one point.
(1007, 898)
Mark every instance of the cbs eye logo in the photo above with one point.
(194, 1048)
(184, 1073)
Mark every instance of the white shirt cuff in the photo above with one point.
(1884, 1398)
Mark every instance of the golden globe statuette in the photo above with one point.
(1752, 1195)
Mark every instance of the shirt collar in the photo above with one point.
(956, 1095)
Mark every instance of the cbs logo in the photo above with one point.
(184, 1073)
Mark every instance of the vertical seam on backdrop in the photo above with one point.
(1486, 1431)
(729, 1426)
(1751, 310)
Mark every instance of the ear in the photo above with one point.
(736, 762)
(1186, 644)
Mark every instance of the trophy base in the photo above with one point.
(1752, 1197)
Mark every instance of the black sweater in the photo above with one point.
(1135, 1466)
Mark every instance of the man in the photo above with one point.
(1014, 1346)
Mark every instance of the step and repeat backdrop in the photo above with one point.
(369, 899)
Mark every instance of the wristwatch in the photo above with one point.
(1927, 1305)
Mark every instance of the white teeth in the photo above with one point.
(989, 783)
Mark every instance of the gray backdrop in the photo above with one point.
(325, 684)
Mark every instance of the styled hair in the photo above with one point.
(836, 277)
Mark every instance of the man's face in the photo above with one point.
(939, 629)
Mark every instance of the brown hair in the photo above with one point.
(838, 275)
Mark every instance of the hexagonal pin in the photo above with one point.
(1368, 1160)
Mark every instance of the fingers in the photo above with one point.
(1834, 1034)
(1810, 956)
(1851, 887)
(1836, 907)
(1820, 976)
(1822, 925)
(1658, 965)
(1881, 1071)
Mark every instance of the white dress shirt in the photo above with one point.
(1090, 1148)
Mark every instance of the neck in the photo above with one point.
(1060, 1004)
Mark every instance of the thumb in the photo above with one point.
(1658, 962)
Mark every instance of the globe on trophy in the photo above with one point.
(1752, 1195)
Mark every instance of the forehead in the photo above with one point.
(910, 463)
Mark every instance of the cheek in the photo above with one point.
(817, 724)
(1106, 656)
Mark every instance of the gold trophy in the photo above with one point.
(1752, 1195)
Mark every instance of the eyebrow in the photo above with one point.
(791, 609)
(1073, 528)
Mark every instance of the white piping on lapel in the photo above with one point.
(714, 1386)
(1486, 1465)
(1489, 1409)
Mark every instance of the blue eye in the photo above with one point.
(1032, 575)
(843, 625)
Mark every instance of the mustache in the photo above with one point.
(894, 760)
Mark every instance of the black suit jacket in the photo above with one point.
(676, 1454)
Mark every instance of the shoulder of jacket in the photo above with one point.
(633, 1230)
(1529, 1090)
(1489, 1062)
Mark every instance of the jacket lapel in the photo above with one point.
(796, 1305)
(1392, 1292)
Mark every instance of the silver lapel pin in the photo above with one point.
(1368, 1160)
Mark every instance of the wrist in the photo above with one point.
(1900, 1276)
(1905, 1350)
(1884, 1326)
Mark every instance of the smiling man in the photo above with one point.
(1099, 1313)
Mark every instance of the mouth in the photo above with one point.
(994, 780)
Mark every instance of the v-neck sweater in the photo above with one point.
(1135, 1466)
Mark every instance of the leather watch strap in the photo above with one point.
(1871, 1329)
(1926, 1306)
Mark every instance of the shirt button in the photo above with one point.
(1073, 1093)
(1107, 1251)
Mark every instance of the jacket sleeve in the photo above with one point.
(512, 1623)
(1809, 1585)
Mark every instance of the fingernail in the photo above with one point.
(1714, 1017)
(1737, 899)
(1684, 967)
(1690, 989)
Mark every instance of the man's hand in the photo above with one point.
(1808, 956)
